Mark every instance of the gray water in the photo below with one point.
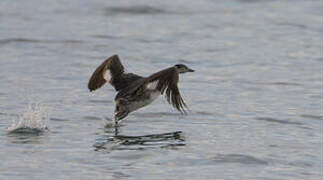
(255, 99)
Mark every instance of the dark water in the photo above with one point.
(256, 97)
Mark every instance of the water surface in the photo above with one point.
(255, 99)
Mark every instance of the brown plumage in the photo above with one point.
(135, 91)
(118, 78)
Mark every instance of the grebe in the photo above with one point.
(135, 91)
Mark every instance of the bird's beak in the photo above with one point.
(190, 70)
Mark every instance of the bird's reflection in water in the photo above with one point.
(113, 140)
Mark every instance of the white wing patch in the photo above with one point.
(152, 85)
(107, 75)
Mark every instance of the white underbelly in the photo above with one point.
(139, 104)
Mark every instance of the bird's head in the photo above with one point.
(181, 68)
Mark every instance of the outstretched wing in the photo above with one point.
(113, 66)
(166, 81)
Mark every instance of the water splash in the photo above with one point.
(34, 120)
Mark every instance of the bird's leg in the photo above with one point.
(116, 121)
(116, 131)
(116, 112)
(121, 111)
(119, 115)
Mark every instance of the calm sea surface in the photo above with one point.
(255, 99)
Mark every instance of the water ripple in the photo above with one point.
(101, 101)
(291, 24)
(134, 10)
(101, 36)
(285, 84)
(58, 119)
(27, 130)
(239, 158)
(300, 164)
(25, 40)
(253, 1)
(26, 136)
(92, 118)
(204, 113)
(269, 119)
(309, 116)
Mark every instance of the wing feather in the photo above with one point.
(167, 81)
(112, 65)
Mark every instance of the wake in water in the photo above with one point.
(33, 120)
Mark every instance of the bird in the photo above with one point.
(135, 91)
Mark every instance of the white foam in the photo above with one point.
(35, 118)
